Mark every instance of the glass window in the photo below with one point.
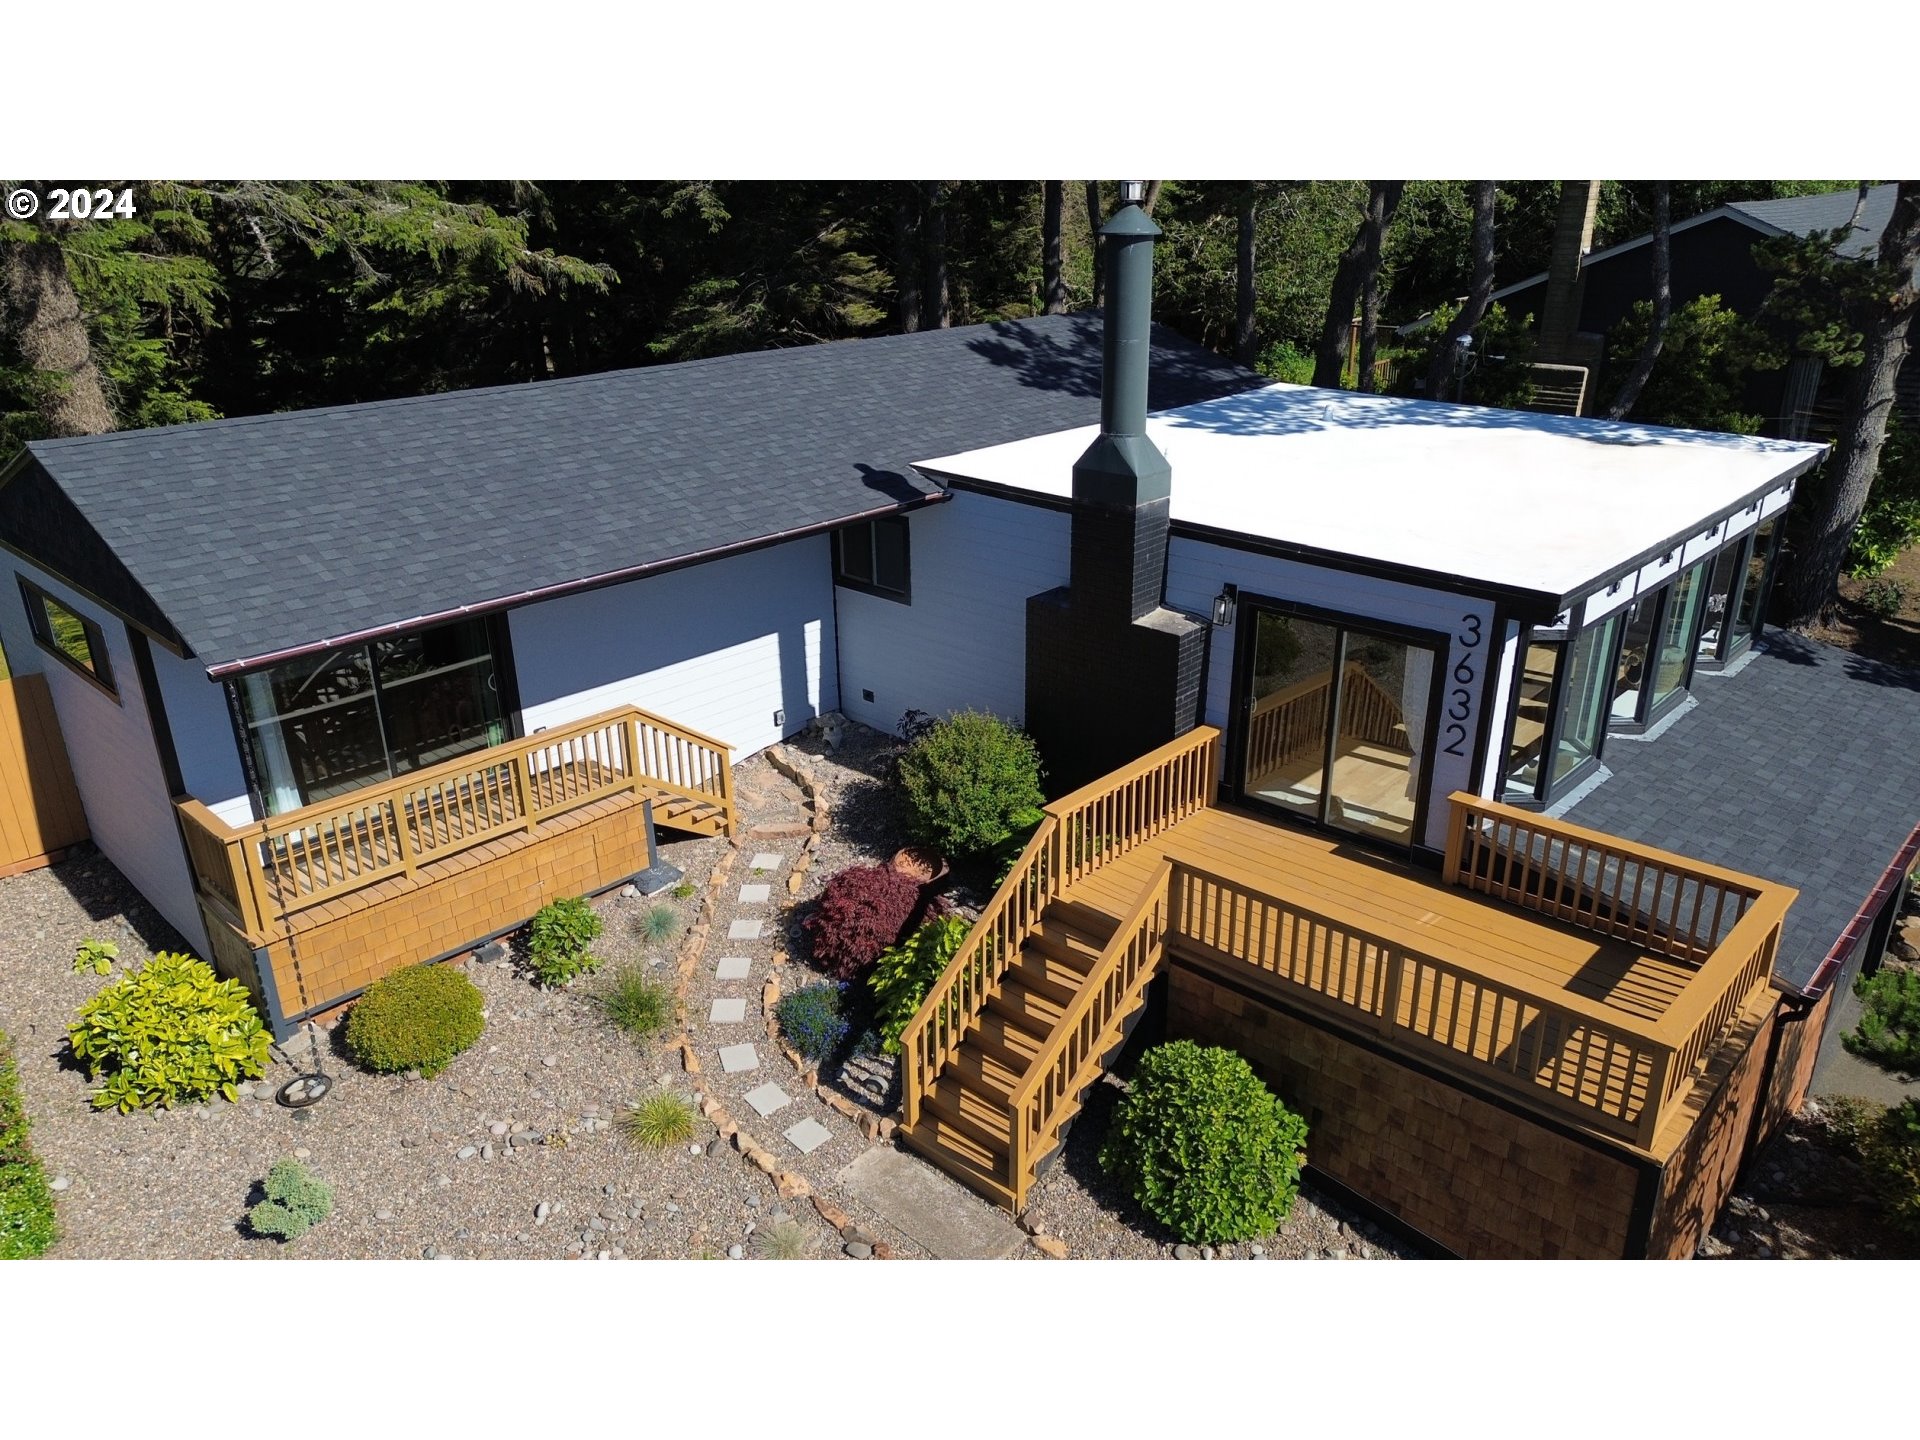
(1676, 636)
(68, 637)
(1713, 629)
(1583, 709)
(1630, 674)
(873, 557)
(1382, 704)
(1747, 620)
(1539, 668)
(1293, 663)
(325, 725)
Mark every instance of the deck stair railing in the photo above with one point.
(264, 871)
(1080, 833)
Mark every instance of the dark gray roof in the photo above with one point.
(1803, 214)
(273, 532)
(1803, 767)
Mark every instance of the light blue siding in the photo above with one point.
(116, 766)
(718, 647)
(203, 737)
(962, 643)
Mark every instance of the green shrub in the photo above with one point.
(558, 938)
(903, 974)
(170, 1031)
(1847, 1119)
(1283, 360)
(297, 1200)
(967, 781)
(811, 1021)
(1891, 1151)
(1206, 1149)
(1889, 1030)
(638, 1004)
(27, 1223)
(95, 957)
(660, 1120)
(1881, 598)
(683, 891)
(416, 1018)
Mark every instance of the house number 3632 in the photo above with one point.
(1460, 699)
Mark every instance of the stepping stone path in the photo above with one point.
(809, 1135)
(768, 1098)
(728, 1010)
(737, 1058)
(733, 967)
(744, 930)
(755, 894)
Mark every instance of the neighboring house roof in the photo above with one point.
(1540, 507)
(246, 538)
(1800, 215)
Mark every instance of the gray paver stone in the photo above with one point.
(766, 860)
(744, 930)
(808, 1136)
(728, 1011)
(736, 1058)
(767, 1098)
(755, 894)
(732, 967)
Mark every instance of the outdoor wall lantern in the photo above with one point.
(1224, 605)
(1132, 192)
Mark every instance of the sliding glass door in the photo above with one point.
(1334, 723)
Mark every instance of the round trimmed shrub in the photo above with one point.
(171, 1031)
(417, 1018)
(967, 782)
(861, 912)
(1206, 1149)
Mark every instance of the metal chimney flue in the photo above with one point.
(1111, 672)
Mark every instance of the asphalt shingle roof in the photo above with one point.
(1803, 768)
(1803, 214)
(271, 532)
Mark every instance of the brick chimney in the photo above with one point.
(1111, 672)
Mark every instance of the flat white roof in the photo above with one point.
(1544, 503)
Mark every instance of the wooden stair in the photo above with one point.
(965, 1124)
(674, 811)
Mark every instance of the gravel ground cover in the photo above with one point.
(512, 1151)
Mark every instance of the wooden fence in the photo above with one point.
(40, 810)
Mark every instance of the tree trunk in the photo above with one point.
(39, 293)
(1662, 307)
(1093, 228)
(1813, 583)
(906, 256)
(1336, 331)
(1054, 283)
(1383, 200)
(1446, 356)
(940, 314)
(1152, 197)
(1243, 341)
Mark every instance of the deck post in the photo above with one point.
(402, 847)
(522, 789)
(1456, 840)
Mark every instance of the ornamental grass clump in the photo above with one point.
(558, 938)
(638, 1004)
(171, 1031)
(416, 1018)
(968, 781)
(1206, 1149)
(297, 1200)
(660, 1120)
(811, 1020)
(860, 913)
(27, 1224)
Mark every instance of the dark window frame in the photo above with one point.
(40, 626)
(867, 531)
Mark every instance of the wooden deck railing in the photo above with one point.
(1293, 719)
(267, 870)
(1663, 902)
(1080, 833)
(1088, 1027)
(1557, 1049)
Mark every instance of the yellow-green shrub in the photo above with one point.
(417, 1018)
(170, 1031)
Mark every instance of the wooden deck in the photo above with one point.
(1580, 974)
(1404, 904)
